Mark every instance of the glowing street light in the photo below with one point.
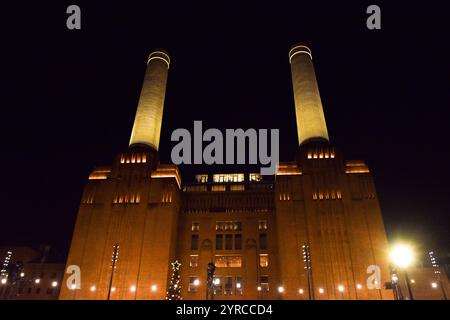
(259, 288)
(154, 288)
(359, 286)
(300, 291)
(37, 281)
(321, 291)
(196, 282)
(54, 284)
(93, 288)
(22, 274)
(133, 288)
(402, 256)
(4, 281)
(280, 289)
(434, 285)
(341, 288)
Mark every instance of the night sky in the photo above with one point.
(68, 98)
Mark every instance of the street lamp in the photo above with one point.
(402, 256)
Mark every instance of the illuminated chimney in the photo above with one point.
(147, 123)
(311, 124)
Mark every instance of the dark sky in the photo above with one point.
(68, 98)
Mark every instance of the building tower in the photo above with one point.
(308, 105)
(132, 205)
(327, 203)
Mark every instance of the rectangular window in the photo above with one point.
(237, 187)
(193, 284)
(193, 262)
(238, 241)
(194, 242)
(255, 177)
(264, 260)
(228, 286)
(38, 290)
(195, 227)
(263, 241)
(264, 281)
(219, 241)
(217, 285)
(228, 242)
(262, 225)
(229, 226)
(239, 286)
(49, 291)
(228, 261)
(218, 188)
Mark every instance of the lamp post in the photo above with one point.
(114, 257)
(209, 281)
(402, 256)
(437, 272)
(308, 268)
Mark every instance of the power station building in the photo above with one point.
(314, 231)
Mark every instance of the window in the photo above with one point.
(217, 285)
(228, 286)
(238, 286)
(264, 281)
(234, 177)
(193, 262)
(219, 241)
(237, 187)
(228, 261)
(218, 188)
(228, 242)
(263, 241)
(262, 225)
(194, 242)
(202, 178)
(238, 241)
(38, 290)
(49, 291)
(29, 290)
(255, 177)
(195, 227)
(193, 284)
(264, 260)
(229, 226)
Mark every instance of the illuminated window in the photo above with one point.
(193, 284)
(193, 262)
(233, 177)
(218, 188)
(238, 286)
(194, 242)
(228, 261)
(237, 187)
(195, 188)
(264, 260)
(262, 225)
(217, 285)
(229, 226)
(195, 226)
(255, 177)
(263, 241)
(264, 283)
(201, 178)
